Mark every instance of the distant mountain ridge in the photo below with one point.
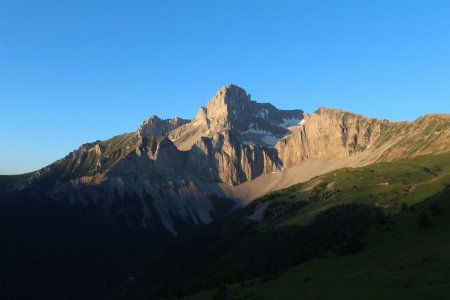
(235, 148)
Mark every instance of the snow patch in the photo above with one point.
(263, 114)
(270, 139)
(288, 122)
(296, 126)
(266, 136)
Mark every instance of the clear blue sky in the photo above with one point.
(76, 71)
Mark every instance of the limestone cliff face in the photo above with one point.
(231, 139)
(153, 156)
(334, 134)
(221, 158)
(155, 126)
(330, 134)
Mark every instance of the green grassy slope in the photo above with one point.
(429, 134)
(385, 185)
(402, 261)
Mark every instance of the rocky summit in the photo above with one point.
(235, 149)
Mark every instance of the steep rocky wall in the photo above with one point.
(334, 134)
(329, 133)
(220, 158)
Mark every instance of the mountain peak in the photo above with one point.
(226, 105)
(228, 99)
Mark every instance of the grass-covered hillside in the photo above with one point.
(388, 185)
(408, 258)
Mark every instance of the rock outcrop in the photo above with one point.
(221, 158)
(330, 134)
(155, 126)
